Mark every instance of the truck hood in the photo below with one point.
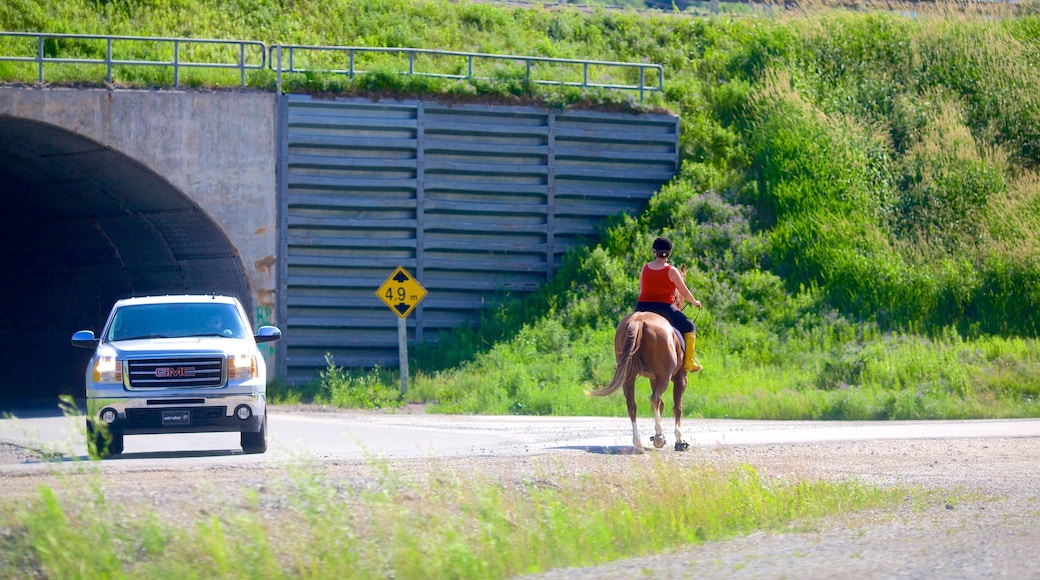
(182, 346)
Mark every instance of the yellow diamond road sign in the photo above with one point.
(401, 292)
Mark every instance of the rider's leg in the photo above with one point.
(689, 362)
(689, 333)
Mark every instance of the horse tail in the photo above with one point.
(626, 368)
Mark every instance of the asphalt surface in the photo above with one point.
(344, 435)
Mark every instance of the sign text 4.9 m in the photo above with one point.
(401, 292)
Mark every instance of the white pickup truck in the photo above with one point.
(176, 364)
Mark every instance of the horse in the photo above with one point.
(646, 344)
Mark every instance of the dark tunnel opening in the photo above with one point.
(82, 226)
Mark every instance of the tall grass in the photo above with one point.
(832, 371)
(894, 227)
(439, 525)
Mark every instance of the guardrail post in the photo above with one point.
(642, 82)
(278, 70)
(39, 56)
(176, 63)
(108, 60)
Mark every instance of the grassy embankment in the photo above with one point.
(857, 204)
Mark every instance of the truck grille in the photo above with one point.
(176, 373)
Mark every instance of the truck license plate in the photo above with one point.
(176, 418)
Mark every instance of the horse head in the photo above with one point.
(677, 298)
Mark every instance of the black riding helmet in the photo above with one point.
(662, 247)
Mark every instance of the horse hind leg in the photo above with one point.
(678, 389)
(635, 439)
(658, 405)
(680, 445)
(630, 401)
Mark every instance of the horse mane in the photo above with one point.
(627, 364)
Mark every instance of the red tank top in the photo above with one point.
(655, 285)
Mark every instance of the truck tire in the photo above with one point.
(100, 446)
(256, 442)
(115, 447)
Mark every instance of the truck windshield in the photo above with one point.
(139, 321)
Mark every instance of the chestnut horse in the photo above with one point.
(647, 345)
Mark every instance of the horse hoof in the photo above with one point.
(681, 446)
(658, 441)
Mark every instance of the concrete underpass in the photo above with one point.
(83, 225)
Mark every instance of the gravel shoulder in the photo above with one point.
(983, 523)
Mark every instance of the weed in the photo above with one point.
(440, 524)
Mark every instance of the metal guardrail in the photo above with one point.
(250, 54)
(283, 59)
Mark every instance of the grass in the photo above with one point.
(855, 374)
(440, 524)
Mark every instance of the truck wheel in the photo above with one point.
(97, 447)
(256, 442)
(100, 445)
(116, 446)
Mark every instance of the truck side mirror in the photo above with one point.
(267, 334)
(85, 339)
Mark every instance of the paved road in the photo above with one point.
(358, 435)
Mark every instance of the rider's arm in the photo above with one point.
(680, 285)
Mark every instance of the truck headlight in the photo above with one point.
(243, 366)
(108, 369)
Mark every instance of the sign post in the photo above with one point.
(402, 294)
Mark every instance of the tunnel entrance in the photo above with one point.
(82, 226)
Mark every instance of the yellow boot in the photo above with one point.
(689, 363)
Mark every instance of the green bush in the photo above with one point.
(372, 389)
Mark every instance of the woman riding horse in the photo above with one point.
(658, 283)
(646, 344)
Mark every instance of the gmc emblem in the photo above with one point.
(170, 372)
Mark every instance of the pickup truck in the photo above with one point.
(175, 364)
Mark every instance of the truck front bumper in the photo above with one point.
(182, 414)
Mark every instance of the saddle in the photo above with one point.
(679, 338)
